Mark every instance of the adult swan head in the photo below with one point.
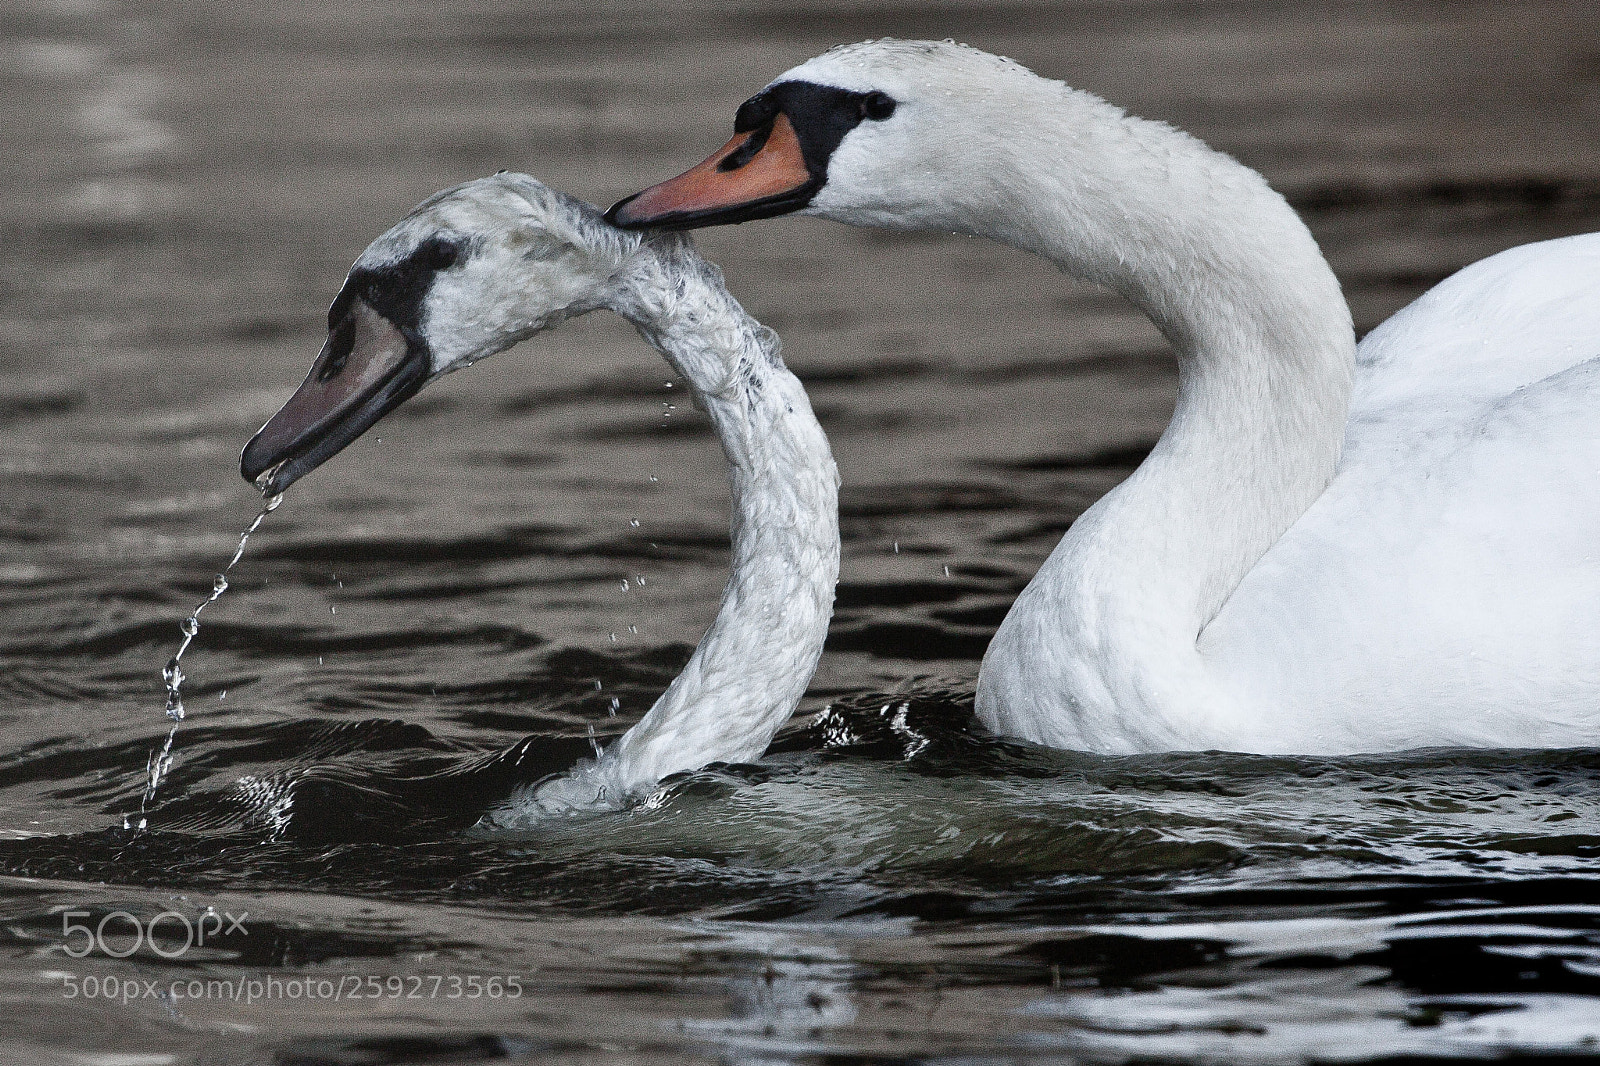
(478, 268)
(1328, 550)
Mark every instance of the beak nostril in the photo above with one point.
(759, 173)
(746, 151)
(368, 367)
(340, 344)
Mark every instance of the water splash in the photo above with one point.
(172, 674)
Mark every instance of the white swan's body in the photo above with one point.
(1443, 588)
(481, 267)
(1329, 550)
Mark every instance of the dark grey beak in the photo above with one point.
(368, 367)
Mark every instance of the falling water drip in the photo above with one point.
(172, 674)
(190, 627)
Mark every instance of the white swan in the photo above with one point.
(478, 268)
(1332, 548)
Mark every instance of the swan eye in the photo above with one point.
(877, 106)
(437, 253)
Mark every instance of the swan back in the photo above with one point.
(1451, 563)
(1495, 326)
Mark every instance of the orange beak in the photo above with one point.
(756, 175)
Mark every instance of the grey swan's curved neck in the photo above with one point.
(751, 668)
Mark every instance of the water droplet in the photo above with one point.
(633, 629)
(172, 674)
(625, 583)
(947, 571)
(653, 477)
(593, 743)
(616, 705)
(634, 522)
(897, 547)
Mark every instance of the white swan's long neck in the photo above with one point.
(752, 666)
(1265, 351)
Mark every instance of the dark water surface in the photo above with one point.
(443, 612)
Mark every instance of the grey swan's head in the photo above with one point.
(470, 272)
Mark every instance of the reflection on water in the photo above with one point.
(430, 626)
